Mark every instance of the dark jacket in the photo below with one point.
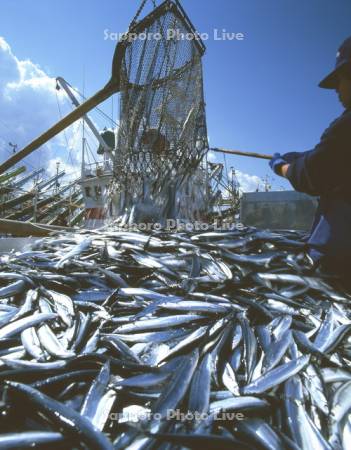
(325, 171)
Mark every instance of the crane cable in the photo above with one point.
(60, 114)
(69, 158)
(106, 116)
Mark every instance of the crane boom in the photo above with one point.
(66, 87)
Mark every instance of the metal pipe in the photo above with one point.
(43, 184)
(24, 180)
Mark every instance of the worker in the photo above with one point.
(325, 172)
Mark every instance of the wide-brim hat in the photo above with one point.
(343, 58)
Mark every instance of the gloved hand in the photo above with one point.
(291, 156)
(276, 162)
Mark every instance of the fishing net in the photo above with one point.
(162, 134)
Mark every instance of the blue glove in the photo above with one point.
(291, 156)
(276, 162)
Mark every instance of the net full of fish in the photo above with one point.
(116, 339)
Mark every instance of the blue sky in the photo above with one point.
(261, 92)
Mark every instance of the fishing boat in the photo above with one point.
(154, 165)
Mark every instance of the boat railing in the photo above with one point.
(97, 169)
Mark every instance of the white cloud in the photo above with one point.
(72, 171)
(211, 156)
(248, 183)
(29, 106)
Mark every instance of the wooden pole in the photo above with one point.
(17, 228)
(240, 153)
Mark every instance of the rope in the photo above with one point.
(60, 114)
(135, 18)
(141, 7)
(69, 157)
(70, 148)
(106, 116)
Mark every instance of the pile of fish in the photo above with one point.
(165, 340)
